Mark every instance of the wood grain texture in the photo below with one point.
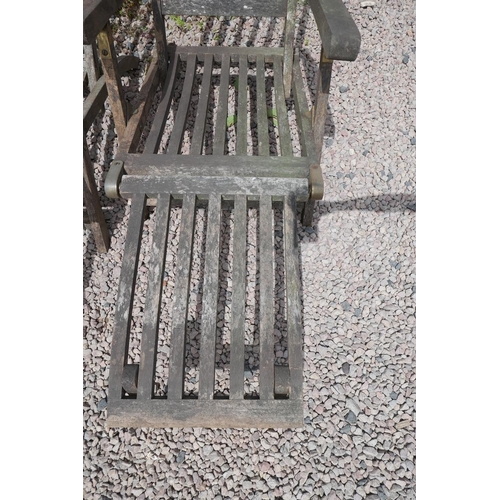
(237, 354)
(149, 340)
(161, 115)
(257, 8)
(320, 108)
(222, 105)
(289, 46)
(201, 111)
(293, 305)
(208, 165)
(177, 135)
(262, 123)
(257, 186)
(241, 124)
(339, 34)
(210, 296)
(180, 301)
(266, 303)
(161, 413)
(126, 287)
(113, 82)
(283, 124)
(235, 53)
(95, 215)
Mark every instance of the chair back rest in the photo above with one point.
(247, 8)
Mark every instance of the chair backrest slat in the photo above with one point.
(250, 8)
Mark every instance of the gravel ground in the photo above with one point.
(358, 277)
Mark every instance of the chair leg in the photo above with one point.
(96, 221)
(307, 213)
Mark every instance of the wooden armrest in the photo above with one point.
(339, 34)
(96, 14)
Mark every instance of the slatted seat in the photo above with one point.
(221, 138)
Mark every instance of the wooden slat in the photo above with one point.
(266, 304)
(227, 165)
(210, 295)
(257, 8)
(180, 301)
(160, 413)
(307, 142)
(214, 185)
(91, 64)
(222, 105)
(289, 44)
(234, 52)
(241, 125)
(126, 287)
(156, 132)
(293, 306)
(113, 81)
(153, 299)
(320, 108)
(175, 141)
(201, 112)
(283, 125)
(262, 125)
(237, 356)
(95, 215)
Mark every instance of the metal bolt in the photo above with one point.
(104, 52)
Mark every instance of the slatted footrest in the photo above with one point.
(132, 401)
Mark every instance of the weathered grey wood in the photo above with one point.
(94, 102)
(161, 115)
(113, 82)
(320, 106)
(262, 124)
(95, 215)
(339, 34)
(283, 124)
(289, 46)
(208, 165)
(222, 105)
(139, 116)
(235, 52)
(96, 14)
(153, 299)
(217, 185)
(256, 8)
(91, 64)
(266, 303)
(201, 112)
(126, 287)
(210, 295)
(237, 355)
(293, 305)
(241, 125)
(175, 141)
(180, 302)
(160, 37)
(216, 413)
(303, 114)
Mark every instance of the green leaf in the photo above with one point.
(231, 120)
(237, 83)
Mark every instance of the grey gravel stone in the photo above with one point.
(346, 367)
(351, 417)
(103, 403)
(343, 88)
(406, 59)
